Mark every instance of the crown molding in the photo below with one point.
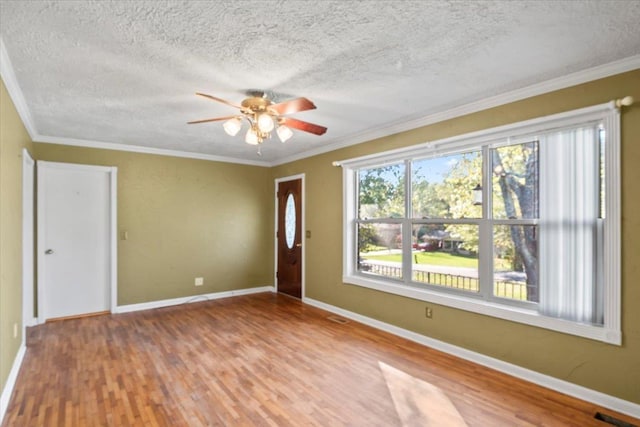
(16, 95)
(601, 71)
(11, 83)
(145, 150)
(573, 79)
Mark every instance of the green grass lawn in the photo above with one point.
(432, 258)
(439, 258)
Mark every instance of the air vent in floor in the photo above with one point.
(337, 319)
(612, 420)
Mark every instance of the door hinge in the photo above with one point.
(277, 274)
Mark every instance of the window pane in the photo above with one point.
(515, 181)
(442, 187)
(446, 255)
(290, 221)
(515, 262)
(381, 192)
(380, 249)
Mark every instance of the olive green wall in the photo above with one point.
(13, 138)
(184, 218)
(188, 218)
(607, 368)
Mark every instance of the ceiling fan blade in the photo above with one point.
(303, 126)
(218, 99)
(211, 120)
(293, 106)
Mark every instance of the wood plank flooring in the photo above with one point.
(256, 360)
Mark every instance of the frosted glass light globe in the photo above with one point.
(265, 123)
(251, 137)
(284, 133)
(232, 126)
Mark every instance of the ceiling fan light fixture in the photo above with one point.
(284, 133)
(252, 137)
(264, 117)
(265, 122)
(232, 126)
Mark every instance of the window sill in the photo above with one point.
(514, 314)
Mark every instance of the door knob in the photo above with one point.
(298, 245)
(48, 251)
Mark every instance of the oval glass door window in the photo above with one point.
(290, 221)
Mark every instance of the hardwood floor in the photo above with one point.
(263, 360)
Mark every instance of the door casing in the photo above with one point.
(28, 204)
(113, 243)
(301, 177)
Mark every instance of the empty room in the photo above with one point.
(329, 213)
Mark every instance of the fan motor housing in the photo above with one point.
(256, 104)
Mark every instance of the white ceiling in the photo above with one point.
(124, 73)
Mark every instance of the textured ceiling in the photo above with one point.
(125, 72)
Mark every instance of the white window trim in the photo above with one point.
(610, 332)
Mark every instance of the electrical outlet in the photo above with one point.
(428, 312)
(15, 330)
(199, 281)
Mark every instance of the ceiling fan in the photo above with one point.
(264, 116)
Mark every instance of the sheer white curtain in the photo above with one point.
(569, 222)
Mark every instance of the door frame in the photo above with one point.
(112, 171)
(303, 231)
(28, 240)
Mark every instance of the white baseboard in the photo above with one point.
(11, 380)
(194, 298)
(589, 395)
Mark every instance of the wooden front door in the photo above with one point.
(289, 235)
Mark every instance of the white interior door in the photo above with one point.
(75, 230)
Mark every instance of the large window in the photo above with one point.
(519, 222)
